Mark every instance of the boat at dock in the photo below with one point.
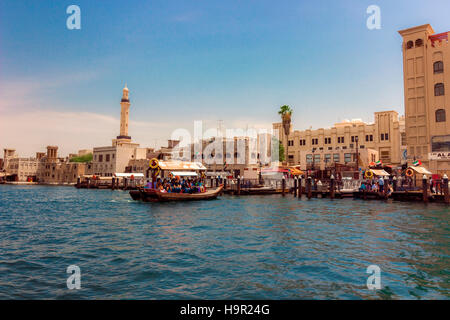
(152, 195)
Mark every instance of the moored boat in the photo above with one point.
(152, 195)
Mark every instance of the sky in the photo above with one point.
(231, 61)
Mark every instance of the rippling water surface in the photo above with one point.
(254, 247)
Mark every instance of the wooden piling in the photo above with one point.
(425, 188)
(332, 187)
(295, 186)
(283, 186)
(308, 188)
(446, 191)
(300, 188)
(239, 185)
(113, 183)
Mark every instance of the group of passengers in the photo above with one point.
(178, 185)
(375, 185)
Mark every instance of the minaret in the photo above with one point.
(125, 106)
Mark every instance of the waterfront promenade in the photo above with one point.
(253, 247)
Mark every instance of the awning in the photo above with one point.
(268, 170)
(184, 173)
(379, 172)
(181, 165)
(128, 175)
(420, 170)
(295, 171)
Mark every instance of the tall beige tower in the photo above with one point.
(426, 76)
(124, 115)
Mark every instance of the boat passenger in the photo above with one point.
(363, 187)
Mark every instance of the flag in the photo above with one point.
(379, 163)
(417, 163)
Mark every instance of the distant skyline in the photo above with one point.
(235, 61)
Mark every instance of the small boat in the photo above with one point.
(152, 195)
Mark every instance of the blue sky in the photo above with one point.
(235, 61)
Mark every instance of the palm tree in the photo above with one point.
(286, 113)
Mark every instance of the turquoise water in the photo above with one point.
(253, 247)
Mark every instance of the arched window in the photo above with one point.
(440, 115)
(439, 89)
(438, 67)
(409, 44)
(419, 42)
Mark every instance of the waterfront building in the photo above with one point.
(235, 156)
(22, 169)
(56, 170)
(426, 79)
(338, 145)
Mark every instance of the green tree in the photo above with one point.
(84, 158)
(285, 109)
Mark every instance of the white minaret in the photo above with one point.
(125, 107)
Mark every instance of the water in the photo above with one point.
(254, 247)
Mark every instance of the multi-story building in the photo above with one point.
(426, 79)
(339, 144)
(55, 170)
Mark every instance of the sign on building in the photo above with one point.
(439, 156)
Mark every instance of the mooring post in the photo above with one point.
(239, 185)
(224, 183)
(332, 187)
(295, 186)
(113, 181)
(445, 186)
(300, 187)
(78, 181)
(283, 185)
(425, 188)
(88, 182)
(125, 183)
(308, 187)
(217, 181)
(386, 186)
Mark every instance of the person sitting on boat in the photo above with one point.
(374, 187)
(363, 187)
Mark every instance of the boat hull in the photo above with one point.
(151, 195)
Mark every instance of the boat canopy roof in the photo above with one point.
(128, 175)
(181, 165)
(184, 173)
(379, 172)
(419, 169)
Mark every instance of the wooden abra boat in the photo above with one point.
(152, 195)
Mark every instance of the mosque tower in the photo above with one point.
(124, 115)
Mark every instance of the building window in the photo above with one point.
(100, 158)
(309, 158)
(419, 42)
(302, 142)
(354, 138)
(439, 89)
(386, 136)
(291, 157)
(336, 157)
(347, 157)
(327, 158)
(440, 115)
(316, 158)
(107, 158)
(438, 67)
(314, 141)
(340, 139)
(409, 45)
(327, 140)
